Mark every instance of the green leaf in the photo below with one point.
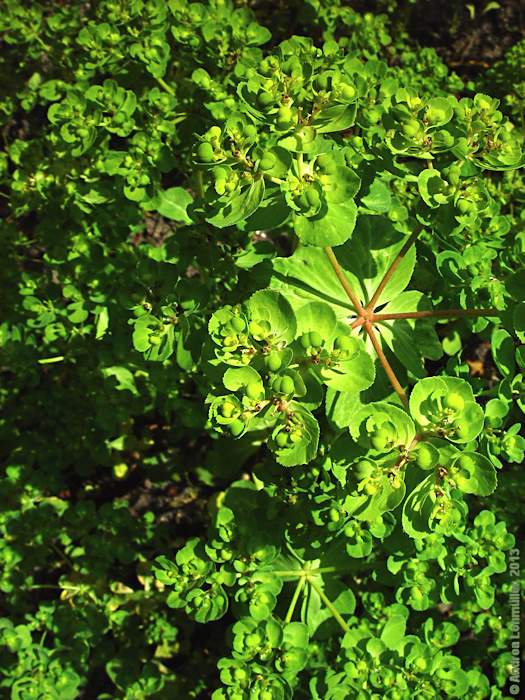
(452, 343)
(474, 473)
(432, 188)
(295, 634)
(272, 213)
(381, 426)
(378, 198)
(76, 312)
(340, 406)
(305, 449)
(447, 404)
(240, 207)
(370, 507)
(503, 351)
(125, 378)
(315, 614)
(336, 220)
(410, 339)
(154, 343)
(418, 507)
(235, 379)
(518, 319)
(308, 275)
(333, 226)
(317, 316)
(102, 323)
(439, 111)
(271, 306)
(393, 632)
(172, 204)
(183, 354)
(213, 606)
(335, 118)
(142, 331)
(354, 374)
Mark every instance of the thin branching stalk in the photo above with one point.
(393, 267)
(445, 313)
(297, 592)
(386, 364)
(343, 280)
(340, 621)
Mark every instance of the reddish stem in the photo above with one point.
(393, 267)
(386, 365)
(446, 313)
(367, 317)
(344, 282)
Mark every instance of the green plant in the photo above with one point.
(248, 448)
(506, 80)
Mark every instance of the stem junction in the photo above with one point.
(367, 318)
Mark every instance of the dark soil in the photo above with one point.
(469, 35)
(468, 40)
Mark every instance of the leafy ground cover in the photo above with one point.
(262, 351)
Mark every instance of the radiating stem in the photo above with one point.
(386, 365)
(329, 605)
(165, 85)
(305, 572)
(200, 183)
(42, 43)
(62, 555)
(299, 587)
(446, 313)
(300, 163)
(342, 278)
(438, 313)
(393, 267)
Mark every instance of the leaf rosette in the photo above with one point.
(446, 406)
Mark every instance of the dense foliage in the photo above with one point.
(262, 356)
